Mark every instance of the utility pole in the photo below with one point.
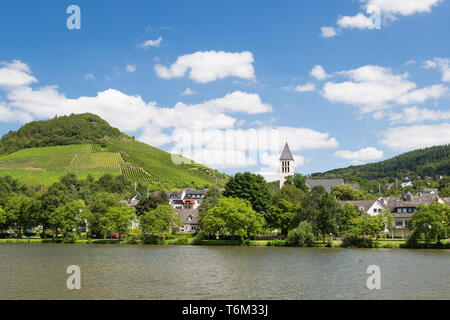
(135, 187)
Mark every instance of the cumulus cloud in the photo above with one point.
(328, 32)
(89, 76)
(376, 11)
(207, 66)
(443, 65)
(130, 68)
(15, 74)
(360, 156)
(188, 92)
(416, 115)
(151, 43)
(374, 88)
(319, 73)
(305, 88)
(408, 138)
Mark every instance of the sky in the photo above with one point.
(228, 83)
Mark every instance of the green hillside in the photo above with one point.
(42, 151)
(433, 161)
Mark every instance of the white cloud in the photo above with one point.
(207, 66)
(15, 74)
(374, 88)
(443, 65)
(130, 68)
(151, 43)
(360, 21)
(402, 7)
(305, 88)
(416, 115)
(408, 138)
(89, 76)
(360, 156)
(376, 11)
(213, 122)
(319, 73)
(328, 32)
(188, 92)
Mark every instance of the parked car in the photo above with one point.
(112, 236)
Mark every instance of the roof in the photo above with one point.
(365, 204)
(185, 214)
(326, 183)
(446, 199)
(409, 202)
(286, 154)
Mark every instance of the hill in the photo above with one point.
(433, 161)
(41, 152)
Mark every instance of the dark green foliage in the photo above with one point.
(356, 242)
(150, 203)
(302, 235)
(423, 162)
(250, 187)
(84, 128)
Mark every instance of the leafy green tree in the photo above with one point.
(309, 208)
(302, 235)
(68, 217)
(232, 216)
(98, 205)
(3, 220)
(348, 213)
(298, 181)
(282, 217)
(345, 192)
(290, 193)
(329, 210)
(57, 195)
(209, 201)
(121, 218)
(159, 220)
(150, 203)
(20, 210)
(432, 221)
(251, 187)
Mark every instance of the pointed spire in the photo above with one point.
(286, 154)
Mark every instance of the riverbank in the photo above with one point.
(381, 243)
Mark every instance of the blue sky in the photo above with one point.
(375, 93)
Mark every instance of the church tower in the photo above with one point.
(286, 165)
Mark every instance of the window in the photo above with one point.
(404, 210)
(189, 218)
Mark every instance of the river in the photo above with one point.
(38, 271)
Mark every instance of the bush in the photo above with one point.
(151, 239)
(181, 241)
(134, 236)
(356, 242)
(302, 235)
(70, 237)
(276, 243)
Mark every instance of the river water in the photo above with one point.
(38, 271)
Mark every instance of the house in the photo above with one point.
(192, 198)
(402, 209)
(189, 220)
(176, 198)
(372, 207)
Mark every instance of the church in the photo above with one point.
(286, 165)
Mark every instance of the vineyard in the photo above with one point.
(137, 174)
(106, 160)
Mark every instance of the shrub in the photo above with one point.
(181, 241)
(151, 239)
(276, 243)
(70, 237)
(302, 235)
(356, 242)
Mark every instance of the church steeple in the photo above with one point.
(286, 165)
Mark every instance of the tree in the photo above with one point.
(345, 192)
(57, 195)
(98, 205)
(159, 220)
(68, 217)
(121, 218)
(431, 222)
(209, 201)
(232, 216)
(309, 208)
(150, 203)
(20, 210)
(282, 217)
(298, 181)
(302, 235)
(348, 213)
(251, 187)
(329, 210)
(290, 193)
